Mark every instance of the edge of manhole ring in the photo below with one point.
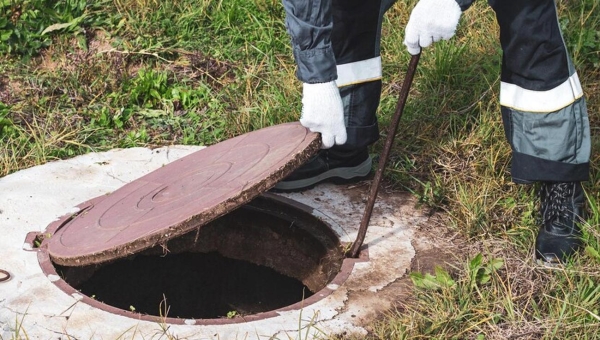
(346, 269)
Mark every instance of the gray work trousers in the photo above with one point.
(543, 108)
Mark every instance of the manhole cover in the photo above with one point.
(180, 196)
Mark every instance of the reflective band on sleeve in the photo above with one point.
(359, 72)
(520, 99)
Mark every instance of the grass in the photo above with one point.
(80, 76)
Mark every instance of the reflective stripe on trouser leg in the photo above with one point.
(355, 40)
(543, 109)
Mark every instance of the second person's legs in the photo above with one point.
(545, 119)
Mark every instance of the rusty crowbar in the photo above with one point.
(383, 159)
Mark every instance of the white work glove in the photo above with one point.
(323, 111)
(431, 21)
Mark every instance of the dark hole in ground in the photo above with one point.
(194, 285)
(260, 257)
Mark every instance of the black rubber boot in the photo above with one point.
(561, 208)
(337, 166)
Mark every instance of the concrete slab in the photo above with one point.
(31, 304)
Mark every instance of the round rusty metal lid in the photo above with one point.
(181, 196)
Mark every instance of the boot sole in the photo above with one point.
(336, 176)
(547, 264)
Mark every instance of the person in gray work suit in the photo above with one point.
(336, 49)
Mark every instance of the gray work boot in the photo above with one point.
(330, 165)
(561, 208)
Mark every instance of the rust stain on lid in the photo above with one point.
(181, 196)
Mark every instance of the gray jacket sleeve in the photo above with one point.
(309, 24)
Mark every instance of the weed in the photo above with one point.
(583, 24)
(6, 124)
(441, 279)
(26, 26)
(18, 332)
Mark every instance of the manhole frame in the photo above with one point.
(49, 270)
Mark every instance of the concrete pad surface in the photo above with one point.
(31, 304)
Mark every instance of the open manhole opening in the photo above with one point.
(267, 255)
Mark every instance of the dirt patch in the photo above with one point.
(5, 94)
(99, 42)
(102, 58)
(435, 245)
(10, 90)
(196, 65)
